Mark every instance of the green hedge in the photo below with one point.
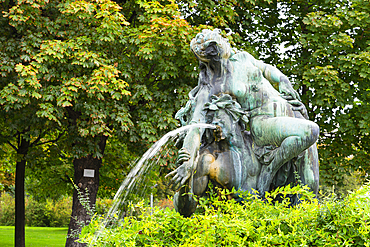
(253, 222)
(49, 213)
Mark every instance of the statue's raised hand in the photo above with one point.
(183, 172)
(299, 106)
(286, 89)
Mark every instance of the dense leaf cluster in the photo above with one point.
(251, 223)
(74, 71)
(82, 61)
(337, 73)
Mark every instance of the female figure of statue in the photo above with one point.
(235, 92)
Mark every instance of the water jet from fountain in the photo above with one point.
(136, 174)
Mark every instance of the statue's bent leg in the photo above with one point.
(291, 135)
(308, 169)
(184, 201)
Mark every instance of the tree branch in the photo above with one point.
(14, 147)
(51, 141)
(39, 137)
(132, 17)
(18, 139)
(150, 72)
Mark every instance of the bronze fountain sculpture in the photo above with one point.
(263, 139)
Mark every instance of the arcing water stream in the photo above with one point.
(141, 167)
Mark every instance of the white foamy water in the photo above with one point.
(141, 167)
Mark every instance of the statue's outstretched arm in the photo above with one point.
(186, 157)
(274, 75)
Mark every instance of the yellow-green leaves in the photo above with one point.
(336, 70)
(252, 222)
(322, 20)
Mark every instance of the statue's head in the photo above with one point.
(209, 44)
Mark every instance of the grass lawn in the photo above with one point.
(35, 236)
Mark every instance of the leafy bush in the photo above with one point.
(253, 222)
(50, 213)
(59, 212)
(351, 182)
(165, 203)
(7, 210)
(102, 205)
(36, 213)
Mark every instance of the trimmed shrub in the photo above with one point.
(253, 222)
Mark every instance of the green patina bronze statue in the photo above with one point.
(263, 138)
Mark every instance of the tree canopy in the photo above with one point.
(89, 70)
(338, 76)
(79, 72)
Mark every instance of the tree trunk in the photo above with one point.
(83, 182)
(19, 194)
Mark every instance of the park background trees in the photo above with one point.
(79, 77)
(92, 72)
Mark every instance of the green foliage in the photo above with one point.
(36, 213)
(338, 72)
(7, 210)
(48, 172)
(251, 223)
(59, 211)
(7, 171)
(351, 182)
(114, 168)
(103, 205)
(49, 213)
(95, 63)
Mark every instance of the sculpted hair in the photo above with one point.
(199, 44)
